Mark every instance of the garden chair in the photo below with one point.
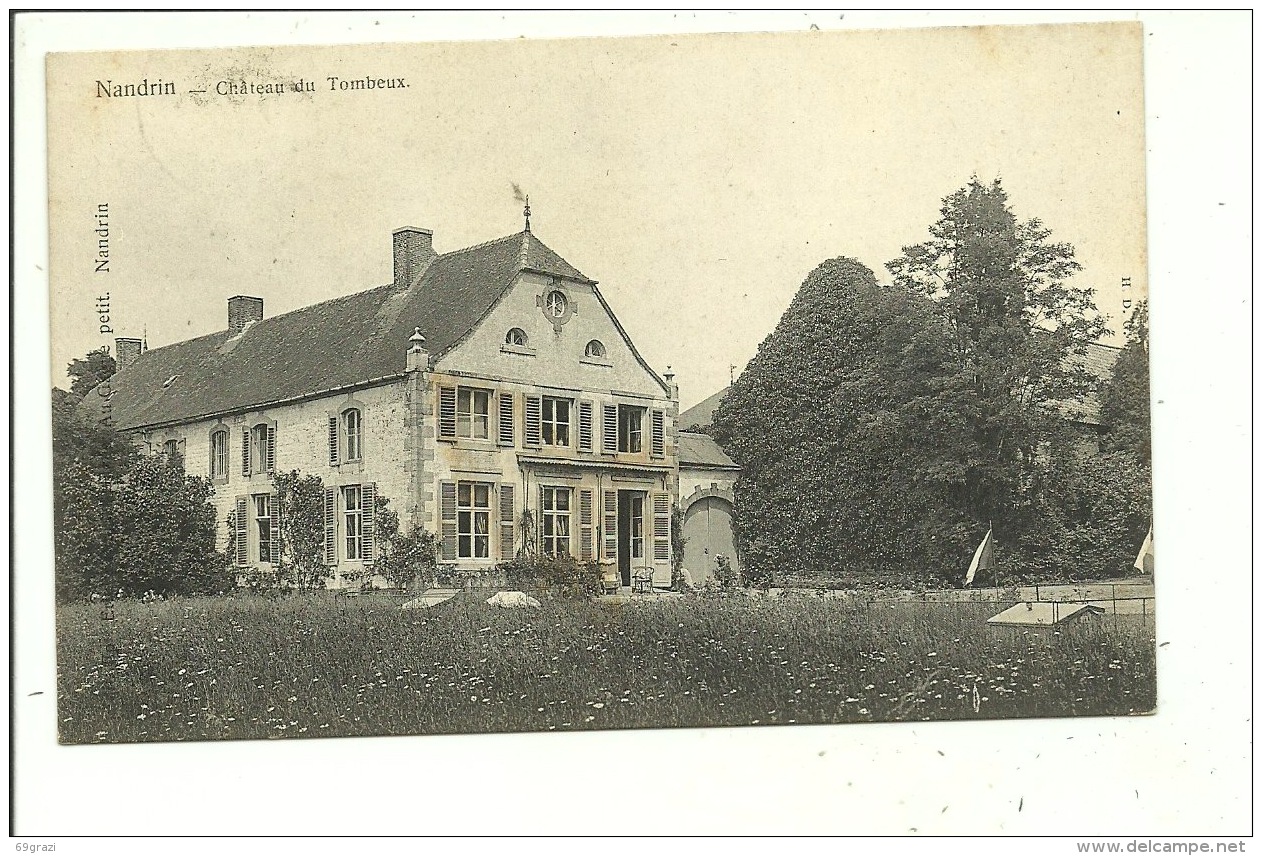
(642, 581)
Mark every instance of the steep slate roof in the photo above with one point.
(700, 450)
(1099, 360)
(339, 343)
(702, 415)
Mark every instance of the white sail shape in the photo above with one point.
(1144, 561)
(983, 559)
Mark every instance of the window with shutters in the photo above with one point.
(556, 421)
(532, 425)
(630, 428)
(611, 524)
(473, 413)
(555, 512)
(661, 527)
(473, 520)
(219, 455)
(586, 532)
(261, 454)
(330, 526)
(508, 527)
(353, 521)
(241, 530)
(506, 435)
(585, 433)
(609, 429)
(263, 526)
(657, 434)
(352, 433)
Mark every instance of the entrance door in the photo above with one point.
(630, 533)
(708, 535)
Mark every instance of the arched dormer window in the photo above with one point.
(595, 348)
(516, 336)
(353, 433)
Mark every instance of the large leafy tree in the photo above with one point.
(123, 521)
(1017, 330)
(848, 459)
(83, 439)
(1124, 406)
(86, 373)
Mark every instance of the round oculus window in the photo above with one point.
(556, 304)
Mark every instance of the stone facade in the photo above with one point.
(535, 424)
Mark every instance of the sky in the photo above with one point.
(698, 178)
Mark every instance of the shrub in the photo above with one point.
(406, 560)
(152, 530)
(300, 505)
(725, 576)
(562, 576)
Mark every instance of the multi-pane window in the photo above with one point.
(630, 428)
(473, 504)
(352, 431)
(637, 526)
(595, 348)
(353, 520)
(258, 449)
(263, 524)
(556, 421)
(556, 521)
(171, 451)
(219, 455)
(515, 336)
(473, 413)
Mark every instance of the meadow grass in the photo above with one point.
(318, 665)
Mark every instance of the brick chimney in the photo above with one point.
(242, 310)
(126, 352)
(413, 251)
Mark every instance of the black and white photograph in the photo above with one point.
(475, 387)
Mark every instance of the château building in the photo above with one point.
(489, 394)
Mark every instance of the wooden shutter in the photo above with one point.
(330, 526)
(611, 524)
(273, 526)
(245, 453)
(508, 522)
(585, 432)
(661, 527)
(271, 449)
(450, 532)
(657, 434)
(506, 419)
(609, 430)
(586, 548)
(533, 431)
(242, 530)
(333, 451)
(368, 521)
(446, 413)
